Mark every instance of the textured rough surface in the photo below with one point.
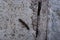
(34, 7)
(13, 10)
(10, 27)
(26, 10)
(54, 20)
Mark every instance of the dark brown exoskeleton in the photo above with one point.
(20, 20)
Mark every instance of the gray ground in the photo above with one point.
(13, 10)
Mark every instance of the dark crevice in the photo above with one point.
(46, 35)
(46, 31)
(36, 32)
(39, 8)
(38, 14)
(20, 20)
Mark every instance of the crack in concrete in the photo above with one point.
(38, 14)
